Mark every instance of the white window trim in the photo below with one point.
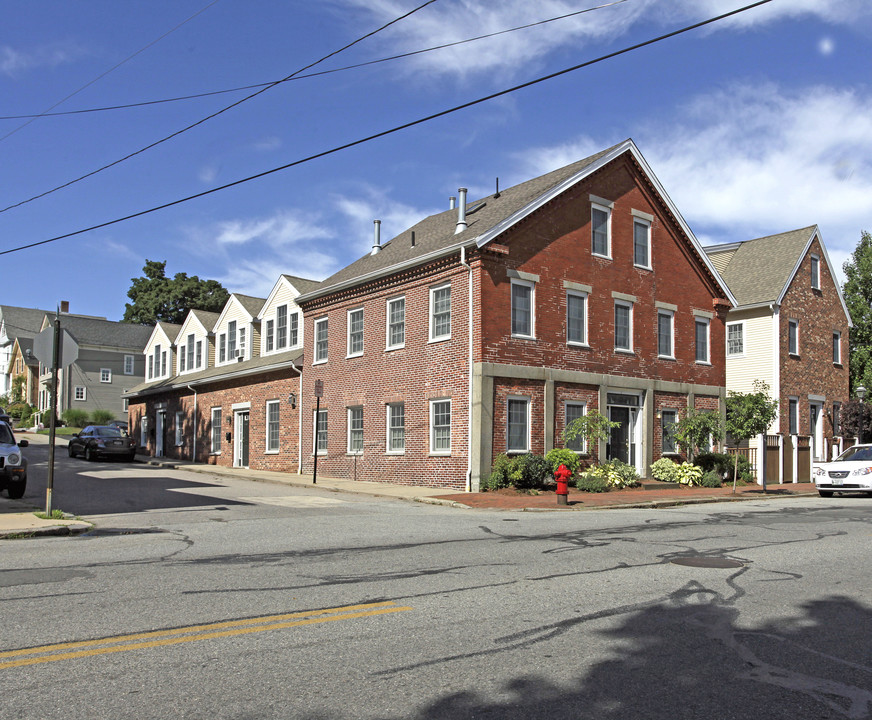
(793, 323)
(267, 449)
(315, 450)
(431, 315)
(348, 449)
(315, 359)
(626, 304)
(646, 223)
(295, 315)
(388, 304)
(129, 364)
(212, 450)
(608, 211)
(84, 390)
(388, 449)
(837, 343)
(708, 339)
(532, 286)
(675, 448)
(583, 404)
(269, 333)
(671, 315)
(527, 441)
(179, 434)
(816, 275)
(286, 344)
(741, 324)
(106, 370)
(433, 451)
(348, 353)
(584, 296)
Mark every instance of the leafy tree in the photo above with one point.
(694, 431)
(591, 427)
(858, 297)
(856, 419)
(157, 298)
(748, 415)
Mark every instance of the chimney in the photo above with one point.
(65, 306)
(376, 239)
(461, 212)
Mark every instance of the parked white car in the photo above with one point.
(850, 472)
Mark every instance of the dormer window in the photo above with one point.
(231, 340)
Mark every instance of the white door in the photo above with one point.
(816, 430)
(160, 425)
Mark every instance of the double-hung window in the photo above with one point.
(355, 332)
(128, 364)
(321, 432)
(180, 428)
(190, 351)
(642, 243)
(518, 421)
(793, 416)
(320, 341)
(105, 375)
(573, 411)
(396, 423)
(601, 230)
(293, 329)
(272, 426)
(701, 339)
(231, 340)
(837, 348)
(215, 428)
(623, 326)
(199, 354)
(668, 418)
(157, 356)
(735, 339)
(665, 334)
(150, 367)
(281, 326)
(440, 427)
(793, 337)
(222, 347)
(576, 318)
(522, 308)
(269, 336)
(355, 430)
(241, 351)
(440, 312)
(396, 324)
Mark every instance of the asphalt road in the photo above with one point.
(231, 599)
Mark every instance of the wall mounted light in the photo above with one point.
(292, 400)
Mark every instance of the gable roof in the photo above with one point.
(302, 284)
(251, 304)
(760, 271)
(169, 330)
(100, 332)
(489, 217)
(21, 322)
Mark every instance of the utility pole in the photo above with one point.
(56, 345)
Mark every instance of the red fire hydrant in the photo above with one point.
(562, 475)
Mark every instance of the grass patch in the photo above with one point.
(60, 431)
(55, 515)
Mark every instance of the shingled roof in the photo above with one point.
(302, 284)
(105, 333)
(486, 219)
(21, 322)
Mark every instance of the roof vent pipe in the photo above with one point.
(461, 211)
(452, 202)
(413, 238)
(376, 239)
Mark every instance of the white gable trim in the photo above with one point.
(232, 301)
(282, 282)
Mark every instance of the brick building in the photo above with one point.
(486, 328)
(789, 329)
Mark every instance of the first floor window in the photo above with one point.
(80, 393)
(216, 431)
(355, 430)
(272, 426)
(793, 416)
(180, 428)
(576, 314)
(440, 427)
(105, 375)
(321, 432)
(664, 334)
(701, 340)
(519, 425)
(125, 404)
(574, 411)
(396, 428)
(837, 419)
(623, 327)
(668, 418)
(735, 339)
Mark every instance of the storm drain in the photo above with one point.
(707, 562)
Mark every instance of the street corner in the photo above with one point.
(27, 524)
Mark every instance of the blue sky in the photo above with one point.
(759, 124)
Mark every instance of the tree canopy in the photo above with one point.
(750, 414)
(157, 298)
(858, 297)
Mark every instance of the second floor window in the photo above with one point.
(321, 340)
(735, 339)
(600, 233)
(440, 312)
(396, 322)
(355, 332)
(128, 364)
(623, 326)
(522, 308)
(231, 340)
(222, 347)
(281, 326)
(793, 337)
(105, 375)
(664, 334)
(576, 315)
(701, 340)
(269, 336)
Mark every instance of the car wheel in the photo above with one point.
(88, 454)
(70, 451)
(16, 489)
(826, 493)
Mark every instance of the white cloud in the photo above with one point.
(286, 227)
(750, 161)
(14, 62)
(257, 277)
(826, 46)
(208, 174)
(268, 144)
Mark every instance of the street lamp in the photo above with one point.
(861, 392)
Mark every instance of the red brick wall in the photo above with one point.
(819, 313)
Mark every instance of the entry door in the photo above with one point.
(816, 432)
(240, 458)
(160, 427)
(619, 437)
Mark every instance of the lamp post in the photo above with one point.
(860, 391)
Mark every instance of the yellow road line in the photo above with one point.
(193, 633)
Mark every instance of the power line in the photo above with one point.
(395, 129)
(401, 56)
(103, 74)
(217, 113)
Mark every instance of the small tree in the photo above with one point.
(856, 419)
(592, 427)
(696, 429)
(749, 414)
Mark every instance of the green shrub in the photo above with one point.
(710, 479)
(722, 463)
(76, 418)
(592, 481)
(531, 472)
(689, 474)
(562, 456)
(101, 417)
(499, 477)
(665, 470)
(619, 474)
(21, 411)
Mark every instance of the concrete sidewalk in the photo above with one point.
(649, 495)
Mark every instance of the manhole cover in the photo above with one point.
(707, 562)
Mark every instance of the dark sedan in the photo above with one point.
(96, 441)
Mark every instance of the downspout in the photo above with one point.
(194, 434)
(299, 418)
(470, 369)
